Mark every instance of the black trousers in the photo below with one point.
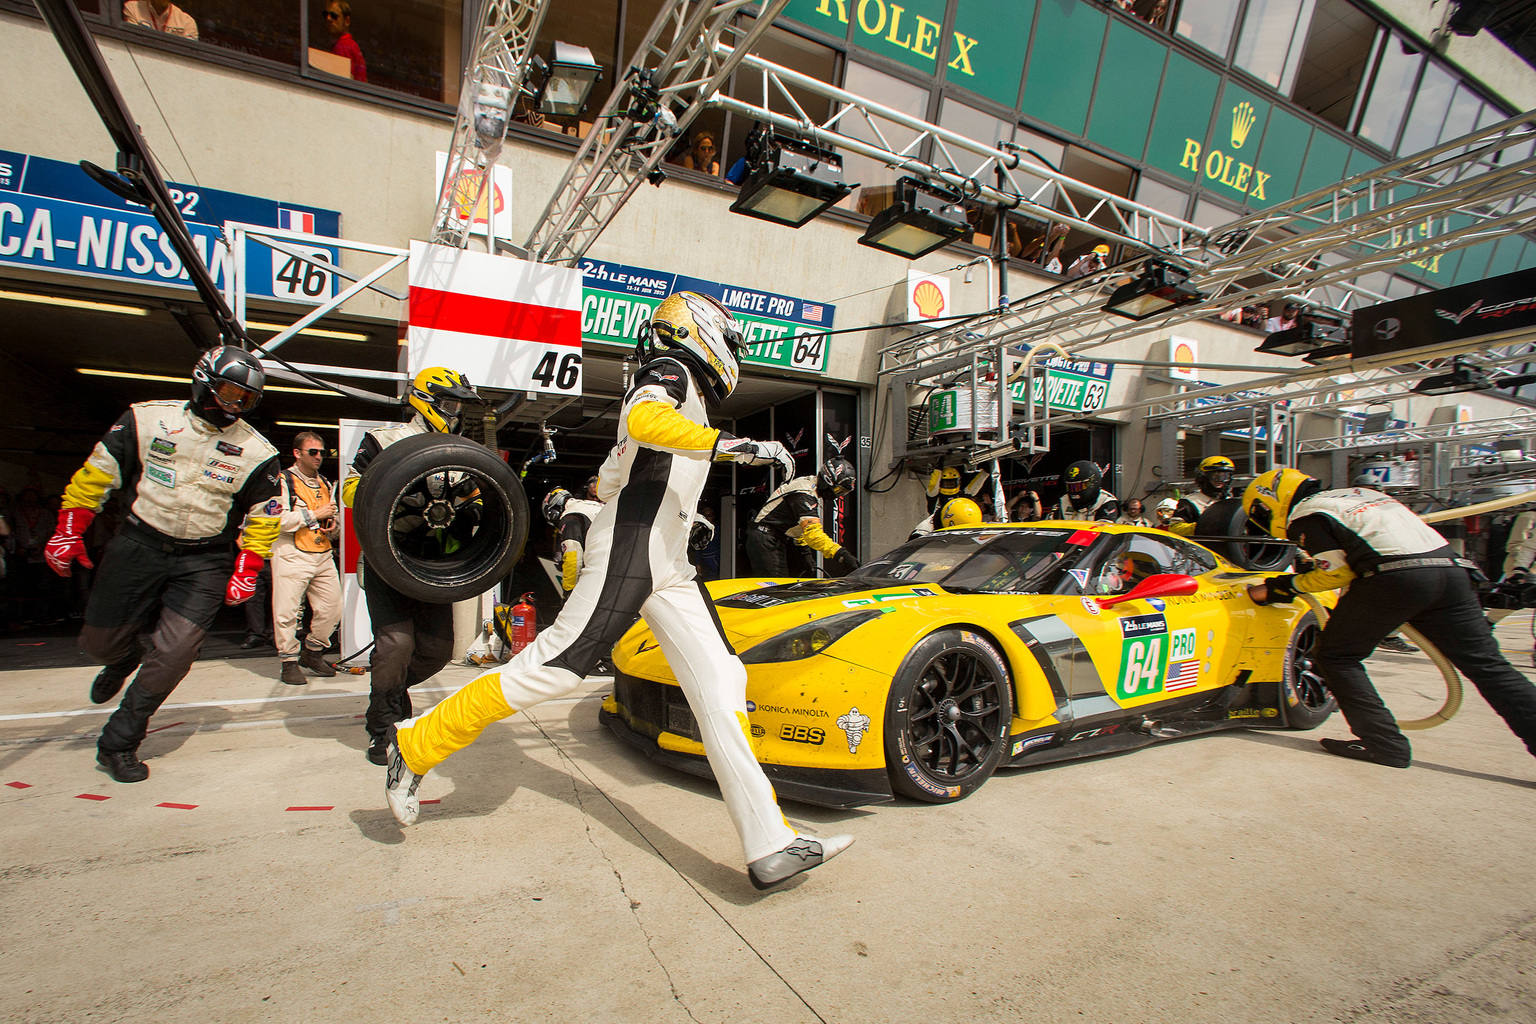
(1438, 602)
(773, 554)
(131, 581)
(412, 641)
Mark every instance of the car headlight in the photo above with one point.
(811, 638)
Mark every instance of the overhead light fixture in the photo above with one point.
(789, 181)
(1161, 287)
(59, 300)
(127, 375)
(923, 218)
(1463, 377)
(314, 332)
(569, 76)
(1313, 335)
(302, 423)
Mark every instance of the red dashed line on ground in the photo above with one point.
(309, 808)
(179, 807)
(91, 796)
(19, 785)
(431, 801)
(162, 727)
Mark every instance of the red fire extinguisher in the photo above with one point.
(525, 623)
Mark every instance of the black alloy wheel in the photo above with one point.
(1308, 704)
(947, 716)
(440, 518)
(1226, 518)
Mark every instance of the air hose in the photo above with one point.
(1452, 680)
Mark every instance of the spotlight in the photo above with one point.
(922, 219)
(1463, 377)
(789, 181)
(569, 76)
(1316, 336)
(1161, 287)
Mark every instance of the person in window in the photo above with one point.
(704, 154)
(1285, 320)
(160, 15)
(1090, 263)
(338, 21)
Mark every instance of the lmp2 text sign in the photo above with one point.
(779, 330)
(54, 217)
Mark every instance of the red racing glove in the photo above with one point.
(242, 582)
(67, 543)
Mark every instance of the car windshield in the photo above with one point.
(982, 561)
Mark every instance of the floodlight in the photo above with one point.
(1313, 335)
(1463, 377)
(1161, 287)
(923, 218)
(789, 181)
(569, 76)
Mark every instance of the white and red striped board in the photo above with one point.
(501, 321)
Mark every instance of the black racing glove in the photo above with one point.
(1280, 590)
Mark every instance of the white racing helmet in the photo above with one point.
(702, 333)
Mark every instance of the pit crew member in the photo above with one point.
(1398, 570)
(1213, 482)
(790, 522)
(194, 472)
(637, 562)
(1085, 496)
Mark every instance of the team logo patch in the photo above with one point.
(230, 449)
(226, 467)
(223, 478)
(161, 475)
(160, 446)
(274, 507)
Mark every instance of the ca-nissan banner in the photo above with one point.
(1491, 306)
(501, 321)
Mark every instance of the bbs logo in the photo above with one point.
(802, 734)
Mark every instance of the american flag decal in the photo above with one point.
(811, 312)
(1182, 675)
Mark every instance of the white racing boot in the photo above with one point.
(801, 855)
(400, 785)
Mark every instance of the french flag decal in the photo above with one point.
(295, 220)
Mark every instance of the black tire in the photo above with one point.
(1308, 704)
(427, 533)
(1226, 518)
(946, 719)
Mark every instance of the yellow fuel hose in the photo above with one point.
(1475, 510)
(1452, 680)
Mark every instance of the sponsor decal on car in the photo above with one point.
(854, 725)
(1157, 602)
(1253, 713)
(1020, 746)
(651, 645)
(758, 732)
(1081, 575)
(1091, 606)
(883, 596)
(780, 709)
(802, 734)
(160, 474)
(230, 449)
(916, 775)
(1144, 655)
(1092, 734)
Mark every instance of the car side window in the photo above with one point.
(1138, 556)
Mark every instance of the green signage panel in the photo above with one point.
(1183, 117)
(1229, 163)
(1281, 156)
(1063, 390)
(826, 15)
(910, 32)
(1064, 63)
(1122, 107)
(1326, 158)
(992, 67)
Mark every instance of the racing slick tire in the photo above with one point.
(946, 719)
(1308, 704)
(440, 518)
(1226, 518)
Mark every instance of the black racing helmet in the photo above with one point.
(226, 385)
(553, 505)
(1083, 482)
(836, 477)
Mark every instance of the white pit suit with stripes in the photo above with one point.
(636, 563)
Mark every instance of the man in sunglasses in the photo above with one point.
(201, 487)
(302, 565)
(338, 21)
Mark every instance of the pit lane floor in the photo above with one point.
(256, 876)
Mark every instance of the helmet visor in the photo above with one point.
(1081, 486)
(234, 397)
(1260, 515)
(1219, 477)
(449, 407)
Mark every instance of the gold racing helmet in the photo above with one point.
(1269, 498)
(959, 512)
(439, 394)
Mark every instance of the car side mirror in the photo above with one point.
(1166, 584)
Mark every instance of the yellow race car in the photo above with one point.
(924, 671)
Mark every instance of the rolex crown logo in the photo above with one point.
(1242, 123)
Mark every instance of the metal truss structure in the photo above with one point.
(686, 58)
(493, 82)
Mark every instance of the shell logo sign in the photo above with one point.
(1181, 353)
(927, 296)
(495, 203)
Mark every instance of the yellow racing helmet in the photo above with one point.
(949, 482)
(439, 394)
(1269, 498)
(1215, 475)
(959, 512)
